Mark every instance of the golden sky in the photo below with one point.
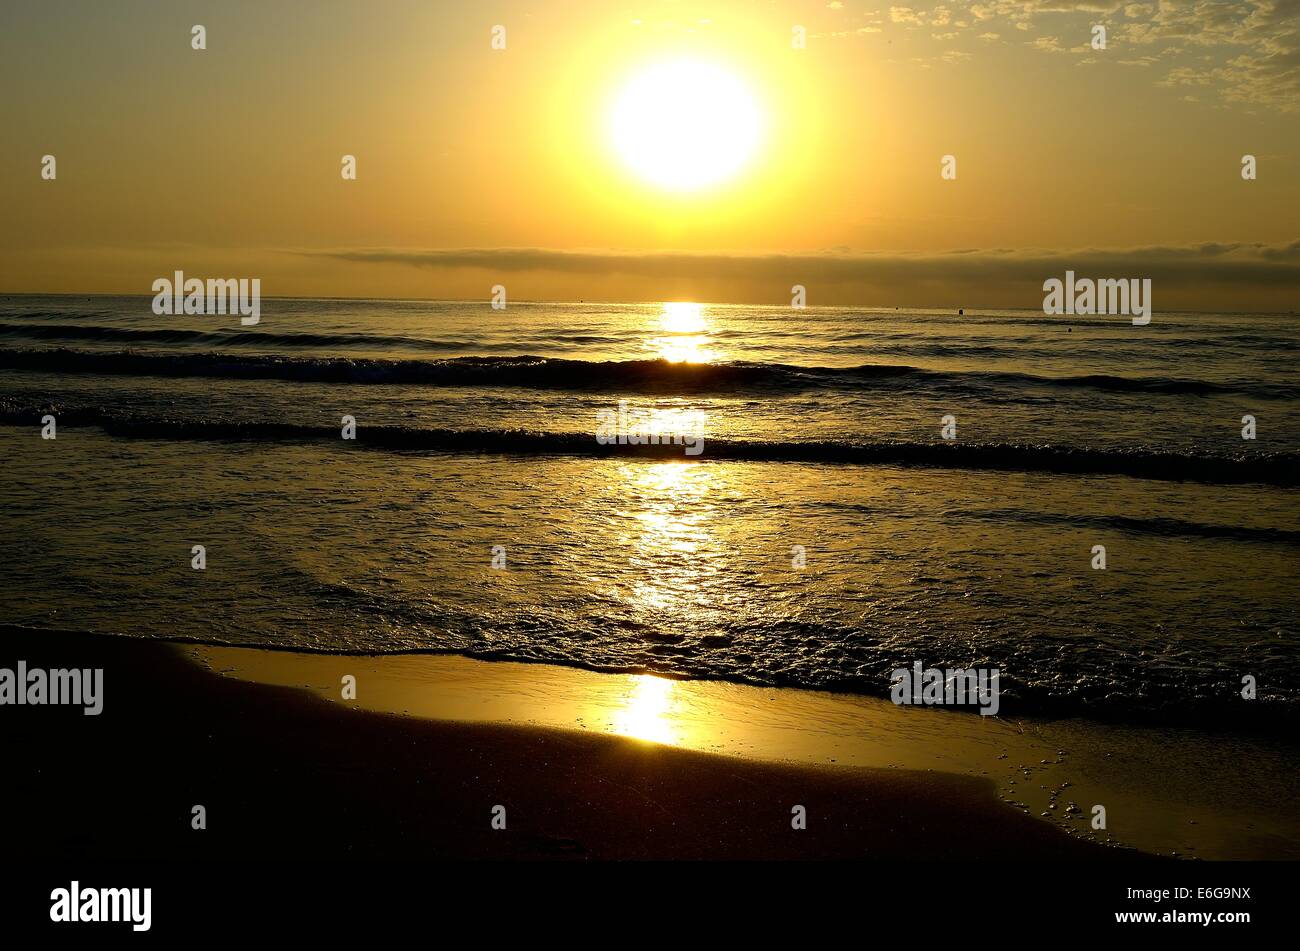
(478, 166)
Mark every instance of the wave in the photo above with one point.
(1123, 687)
(637, 376)
(1277, 469)
(1160, 527)
(1184, 528)
(267, 340)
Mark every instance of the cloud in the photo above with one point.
(1219, 264)
(1256, 45)
(905, 15)
(1072, 6)
(860, 31)
(1253, 46)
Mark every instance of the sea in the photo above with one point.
(1106, 513)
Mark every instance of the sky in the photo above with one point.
(478, 166)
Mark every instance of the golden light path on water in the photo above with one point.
(673, 529)
(684, 336)
(670, 538)
(675, 548)
(648, 711)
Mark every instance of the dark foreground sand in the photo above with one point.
(285, 774)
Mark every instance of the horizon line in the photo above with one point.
(634, 301)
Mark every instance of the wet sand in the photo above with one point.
(1172, 791)
(282, 773)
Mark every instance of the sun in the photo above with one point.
(686, 124)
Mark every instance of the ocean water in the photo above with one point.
(821, 429)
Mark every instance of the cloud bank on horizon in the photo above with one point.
(978, 276)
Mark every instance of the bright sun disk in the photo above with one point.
(685, 124)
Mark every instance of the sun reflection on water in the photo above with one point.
(647, 711)
(684, 333)
(683, 317)
(668, 511)
(673, 550)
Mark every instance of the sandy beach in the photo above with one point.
(587, 766)
(283, 773)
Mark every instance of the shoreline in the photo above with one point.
(282, 773)
(1018, 774)
(1152, 781)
